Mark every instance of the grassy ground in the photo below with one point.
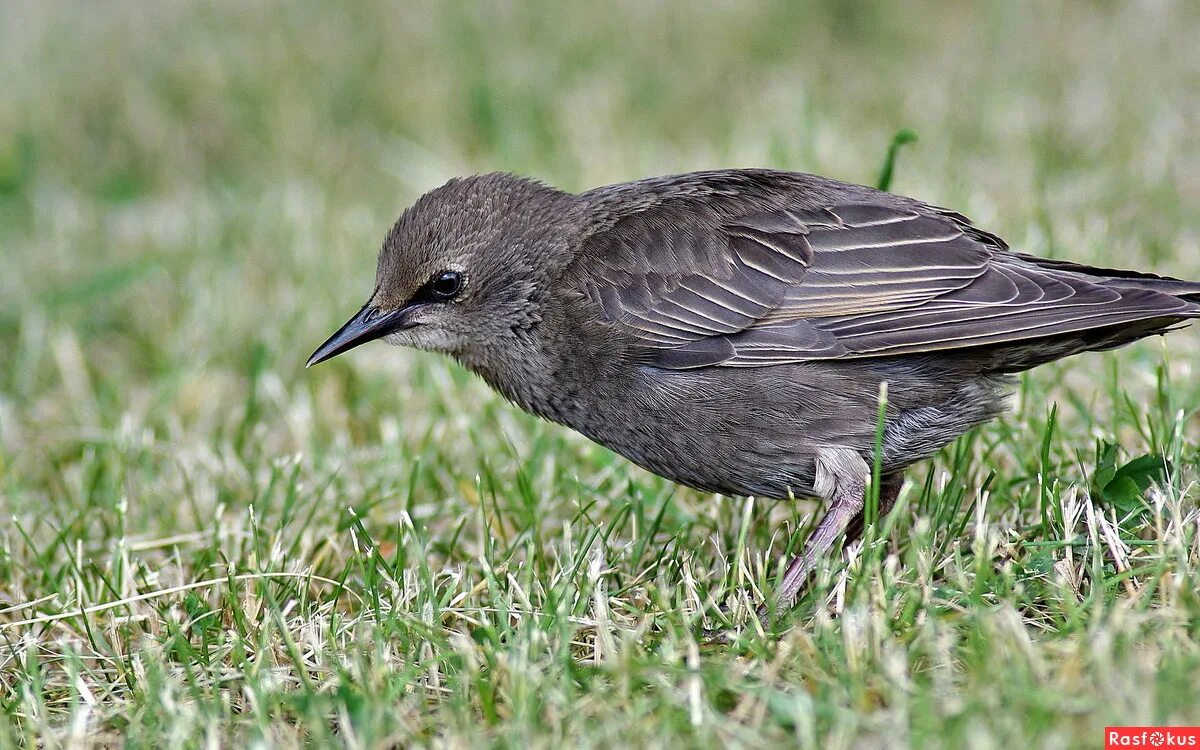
(203, 543)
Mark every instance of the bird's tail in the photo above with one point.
(1027, 354)
(1189, 290)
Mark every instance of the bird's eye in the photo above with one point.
(446, 285)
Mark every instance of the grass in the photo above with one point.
(205, 544)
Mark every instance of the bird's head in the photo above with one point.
(464, 268)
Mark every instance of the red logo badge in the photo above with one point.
(1151, 737)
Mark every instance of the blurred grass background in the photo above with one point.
(191, 198)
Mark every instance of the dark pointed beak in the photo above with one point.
(368, 325)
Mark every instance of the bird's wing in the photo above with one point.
(851, 280)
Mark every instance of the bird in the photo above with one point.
(734, 330)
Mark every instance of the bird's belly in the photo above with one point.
(723, 462)
(758, 431)
(714, 436)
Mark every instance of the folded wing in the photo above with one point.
(790, 284)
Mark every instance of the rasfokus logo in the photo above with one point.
(1152, 737)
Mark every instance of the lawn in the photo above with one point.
(205, 544)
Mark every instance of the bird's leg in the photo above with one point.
(841, 476)
(889, 491)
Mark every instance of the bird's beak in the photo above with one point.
(368, 325)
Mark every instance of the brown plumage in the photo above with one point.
(731, 330)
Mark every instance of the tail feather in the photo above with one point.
(1121, 278)
(1028, 354)
(1189, 290)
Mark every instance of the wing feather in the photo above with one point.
(790, 283)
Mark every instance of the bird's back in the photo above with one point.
(751, 268)
(747, 318)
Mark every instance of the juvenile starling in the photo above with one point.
(731, 330)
